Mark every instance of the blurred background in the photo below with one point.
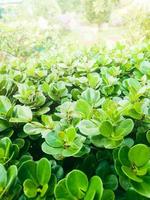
(29, 28)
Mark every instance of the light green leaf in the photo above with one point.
(84, 108)
(34, 128)
(21, 114)
(94, 79)
(145, 67)
(139, 154)
(29, 188)
(70, 134)
(106, 129)
(129, 172)
(5, 105)
(88, 128)
(92, 97)
(125, 127)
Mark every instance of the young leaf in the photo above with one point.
(70, 134)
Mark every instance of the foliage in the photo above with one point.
(77, 126)
(98, 11)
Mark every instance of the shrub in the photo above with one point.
(76, 127)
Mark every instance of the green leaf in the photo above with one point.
(100, 141)
(74, 148)
(5, 105)
(52, 139)
(52, 182)
(51, 150)
(108, 195)
(43, 171)
(84, 108)
(123, 155)
(148, 136)
(92, 97)
(139, 154)
(94, 79)
(29, 188)
(19, 142)
(48, 122)
(133, 84)
(132, 193)
(125, 182)
(35, 128)
(61, 191)
(42, 111)
(128, 142)
(3, 178)
(77, 183)
(88, 128)
(143, 188)
(28, 171)
(12, 174)
(125, 127)
(103, 169)
(43, 190)
(111, 182)
(145, 67)
(106, 129)
(21, 114)
(4, 125)
(129, 172)
(70, 134)
(95, 189)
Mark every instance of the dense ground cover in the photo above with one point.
(76, 125)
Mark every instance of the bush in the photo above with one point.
(76, 127)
